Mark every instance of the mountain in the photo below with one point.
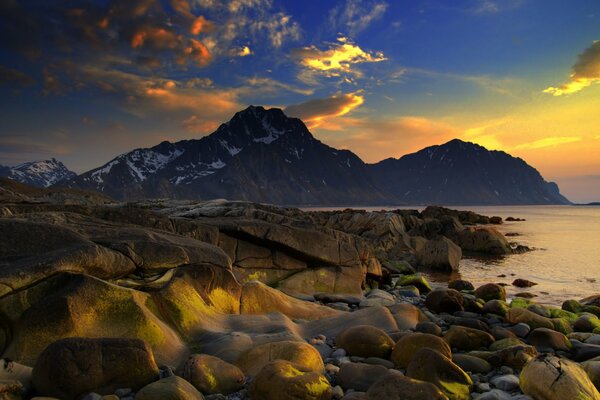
(460, 172)
(259, 155)
(264, 156)
(42, 173)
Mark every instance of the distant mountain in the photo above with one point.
(460, 172)
(259, 155)
(42, 173)
(263, 156)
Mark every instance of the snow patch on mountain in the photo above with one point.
(43, 173)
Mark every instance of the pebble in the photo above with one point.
(337, 392)
(379, 361)
(494, 394)
(508, 383)
(506, 370)
(332, 369)
(338, 353)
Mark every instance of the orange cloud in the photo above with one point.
(315, 112)
(199, 25)
(548, 142)
(196, 51)
(586, 72)
(339, 58)
(155, 37)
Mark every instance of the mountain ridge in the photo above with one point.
(41, 173)
(264, 156)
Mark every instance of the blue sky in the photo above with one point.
(87, 80)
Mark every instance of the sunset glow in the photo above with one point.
(380, 78)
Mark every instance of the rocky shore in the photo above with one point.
(235, 300)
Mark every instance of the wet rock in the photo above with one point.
(72, 367)
(592, 369)
(359, 376)
(463, 338)
(523, 283)
(583, 351)
(338, 298)
(365, 341)
(547, 339)
(497, 307)
(300, 353)
(283, 380)
(587, 323)
(521, 329)
(471, 364)
(502, 333)
(514, 356)
(416, 280)
(491, 291)
(460, 284)
(505, 343)
(211, 375)
(484, 240)
(444, 300)
(440, 254)
(428, 327)
(172, 388)
(399, 387)
(430, 366)
(406, 348)
(517, 315)
(508, 383)
(552, 378)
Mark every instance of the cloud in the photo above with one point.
(9, 76)
(485, 7)
(354, 16)
(315, 112)
(585, 72)
(548, 142)
(269, 85)
(339, 59)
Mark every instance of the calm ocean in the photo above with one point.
(566, 259)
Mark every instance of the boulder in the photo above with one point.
(440, 254)
(283, 380)
(399, 387)
(299, 353)
(553, 378)
(444, 301)
(406, 348)
(484, 240)
(463, 338)
(365, 341)
(513, 356)
(523, 283)
(416, 280)
(70, 368)
(587, 323)
(211, 375)
(171, 388)
(491, 291)
(592, 369)
(358, 376)
(518, 315)
(460, 284)
(430, 366)
(544, 339)
(471, 364)
(497, 307)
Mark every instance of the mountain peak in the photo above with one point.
(41, 173)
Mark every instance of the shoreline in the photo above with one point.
(273, 301)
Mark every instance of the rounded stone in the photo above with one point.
(406, 348)
(283, 380)
(399, 387)
(171, 388)
(302, 353)
(491, 291)
(445, 300)
(211, 375)
(463, 338)
(365, 341)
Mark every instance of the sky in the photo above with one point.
(85, 81)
